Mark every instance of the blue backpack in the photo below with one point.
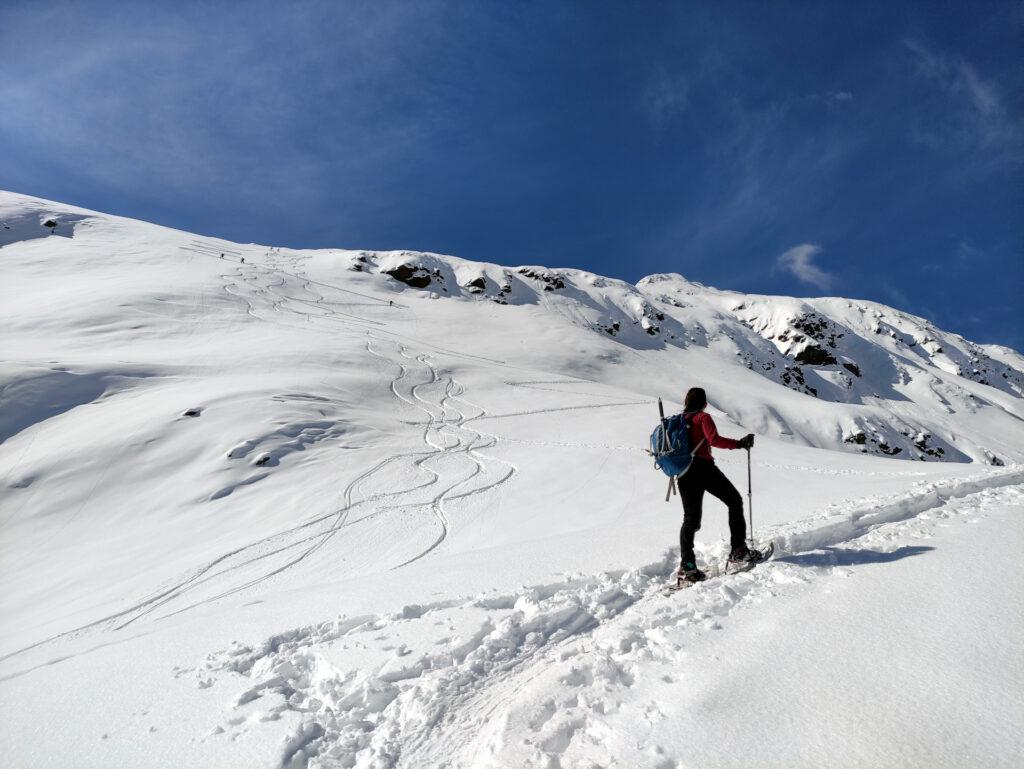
(670, 445)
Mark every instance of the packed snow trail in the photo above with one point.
(551, 665)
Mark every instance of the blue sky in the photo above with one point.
(872, 150)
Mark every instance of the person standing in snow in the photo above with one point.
(703, 475)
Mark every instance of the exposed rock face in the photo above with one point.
(550, 280)
(896, 438)
(798, 338)
(650, 319)
(793, 377)
(813, 355)
(801, 335)
(411, 275)
(852, 367)
(921, 442)
(360, 263)
(816, 327)
(858, 438)
(874, 442)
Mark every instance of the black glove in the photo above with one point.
(746, 442)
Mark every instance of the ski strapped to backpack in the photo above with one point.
(670, 447)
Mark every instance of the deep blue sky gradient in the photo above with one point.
(623, 138)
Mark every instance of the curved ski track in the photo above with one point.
(445, 436)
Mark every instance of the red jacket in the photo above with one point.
(702, 427)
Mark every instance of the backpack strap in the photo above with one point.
(699, 443)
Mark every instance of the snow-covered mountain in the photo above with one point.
(309, 486)
(904, 376)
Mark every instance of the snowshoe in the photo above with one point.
(746, 558)
(688, 572)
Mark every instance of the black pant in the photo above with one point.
(703, 476)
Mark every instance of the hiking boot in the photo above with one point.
(688, 572)
(745, 556)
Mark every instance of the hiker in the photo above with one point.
(703, 475)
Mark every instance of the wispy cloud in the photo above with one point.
(980, 115)
(957, 76)
(197, 99)
(833, 99)
(665, 97)
(799, 262)
(967, 251)
(896, 295)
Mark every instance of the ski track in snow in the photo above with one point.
(586, 638)
(444, 436)
(447, 436)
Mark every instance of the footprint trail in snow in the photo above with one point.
(449, 684)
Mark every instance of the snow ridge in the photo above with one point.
(864, 357)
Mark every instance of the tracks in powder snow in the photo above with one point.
(451, 465)
(454, 455)
(532, 678)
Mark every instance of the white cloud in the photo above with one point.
(799, 262)
(958, 77)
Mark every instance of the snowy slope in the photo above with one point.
(269, 507)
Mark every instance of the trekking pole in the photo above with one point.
(664, 445)
(750, 500)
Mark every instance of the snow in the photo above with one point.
(364, 509)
